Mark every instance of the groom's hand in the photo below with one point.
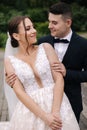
(59, 67)
(10, 79)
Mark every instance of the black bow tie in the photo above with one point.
(61, 41)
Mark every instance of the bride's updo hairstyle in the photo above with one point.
(13, 28)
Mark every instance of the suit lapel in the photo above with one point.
(72, 45)
(70, 49)
(50, 40)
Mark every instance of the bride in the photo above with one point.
(41, 103)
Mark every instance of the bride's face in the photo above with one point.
(27, 34)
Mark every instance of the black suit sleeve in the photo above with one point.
(77, 76)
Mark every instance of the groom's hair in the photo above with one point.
(61, 8)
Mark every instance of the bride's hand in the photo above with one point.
(53, 121)
(10, 79)
(58, 117)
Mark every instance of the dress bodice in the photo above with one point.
(23, 118)
(26, 74)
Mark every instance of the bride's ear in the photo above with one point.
(16, 36)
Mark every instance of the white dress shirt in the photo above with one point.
(61, 48)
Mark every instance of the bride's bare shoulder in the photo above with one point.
(47, 46)
(6, 60)
(7, 65)
(51, 54)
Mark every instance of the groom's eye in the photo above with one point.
(55, 23)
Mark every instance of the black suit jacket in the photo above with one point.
(75, 59)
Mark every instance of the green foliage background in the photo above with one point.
(38, 11)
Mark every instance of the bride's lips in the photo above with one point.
(33, 35)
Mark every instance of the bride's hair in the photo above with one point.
(13, 28)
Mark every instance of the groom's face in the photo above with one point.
(59, 27)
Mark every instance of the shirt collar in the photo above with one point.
(68, 37)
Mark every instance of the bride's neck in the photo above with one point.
(26, 51)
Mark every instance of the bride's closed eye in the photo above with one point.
(29, 27)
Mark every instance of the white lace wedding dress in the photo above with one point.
(23, 118)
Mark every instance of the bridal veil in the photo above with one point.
(9, 93)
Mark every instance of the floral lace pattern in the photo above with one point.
(23, 118)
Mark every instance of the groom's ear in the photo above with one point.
(16, 36)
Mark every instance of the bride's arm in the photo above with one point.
(49, 119)
(58, 79)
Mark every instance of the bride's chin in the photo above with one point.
(34, 41)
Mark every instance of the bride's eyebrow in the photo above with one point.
(29, 26)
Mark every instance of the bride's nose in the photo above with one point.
(34, 30)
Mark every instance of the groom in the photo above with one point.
(71, 50)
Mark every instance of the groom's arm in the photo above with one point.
(72, 76)
(76, 76)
